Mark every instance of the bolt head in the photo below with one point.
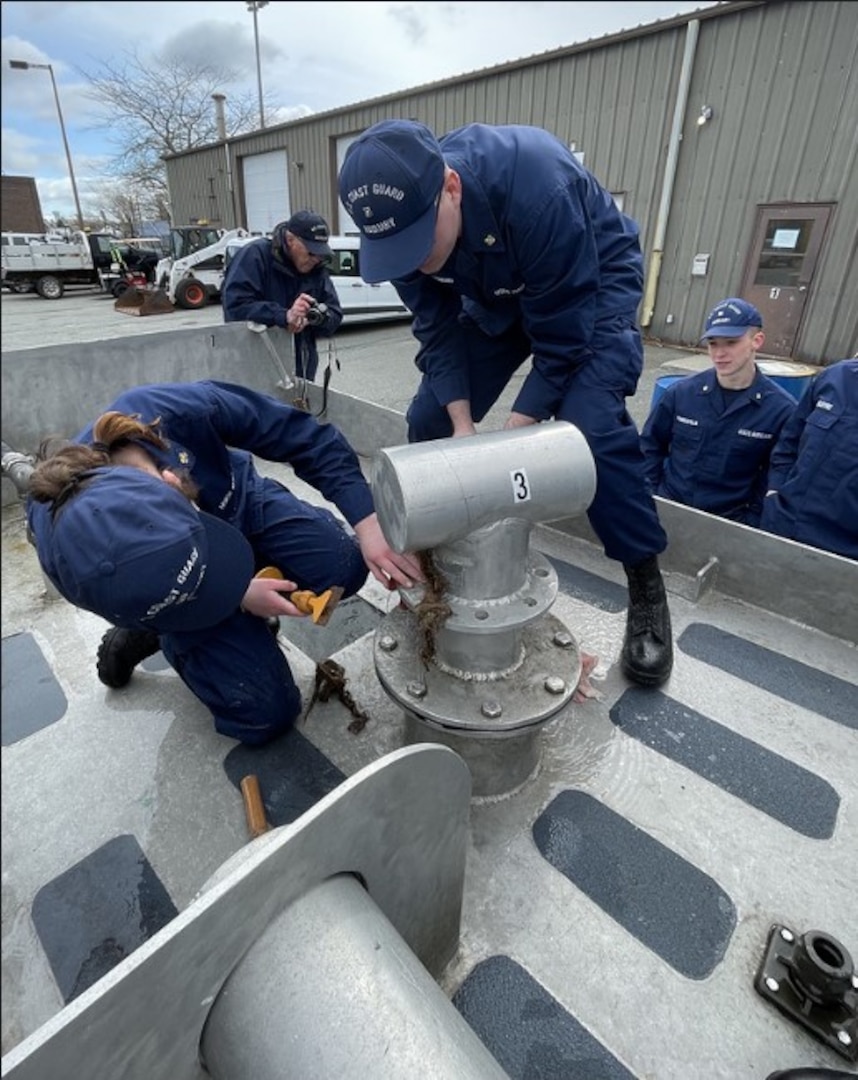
(555, 685)
(844, 1038)
(563, 639)
(787, 935)
(387, 643)
(416, 689)
(772, 984)
(491, 709)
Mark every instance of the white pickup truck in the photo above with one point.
(49, 265)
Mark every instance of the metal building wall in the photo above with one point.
(782, 81)
(780, 77)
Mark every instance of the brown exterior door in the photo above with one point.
(779, 272)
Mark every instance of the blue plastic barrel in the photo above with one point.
(661, 384)
(794, 378)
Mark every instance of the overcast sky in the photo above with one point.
(314, 56)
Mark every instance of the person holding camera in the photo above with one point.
(283, 281)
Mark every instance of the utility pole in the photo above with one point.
(25, 65)
(254, 6)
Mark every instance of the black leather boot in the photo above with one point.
(121, 651)
(647, 656)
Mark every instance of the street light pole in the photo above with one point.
(25, 65)
(254, 6)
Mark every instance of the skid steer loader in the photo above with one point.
(192, 275)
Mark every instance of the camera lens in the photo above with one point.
(316, 314)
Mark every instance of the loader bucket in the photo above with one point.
(138, 301)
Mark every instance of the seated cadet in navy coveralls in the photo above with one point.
(274, 282)
(156, 519)
(708, 439)
(506, 248)
(813, 476)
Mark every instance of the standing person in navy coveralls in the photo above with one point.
(156, 519)
(505, 248)
(276, 281)
(813, 478)
(708, 439)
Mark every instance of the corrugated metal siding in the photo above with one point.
(782, 82)
(781, 78)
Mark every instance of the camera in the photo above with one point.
(316, 313)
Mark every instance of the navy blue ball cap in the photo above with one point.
(312, 230)
(130, 548)
(731, 318)
(391, 179)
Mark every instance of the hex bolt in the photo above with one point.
(855, 982)
(416, 689)
(387, 643)
(844, 1038)
(772, 984)
(554, 684)
(787, 935)
(564, 639)
(491, 709)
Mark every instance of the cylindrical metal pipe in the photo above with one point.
(331, 989)
(433, 492)
(18, 468)
(487, 563)
(220, 115)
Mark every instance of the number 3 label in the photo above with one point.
(520, 486)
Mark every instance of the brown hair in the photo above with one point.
(63, 464)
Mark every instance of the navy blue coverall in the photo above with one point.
(814, 468)
(710, 449)
(261, 284)
(546, 267)
(236, 667)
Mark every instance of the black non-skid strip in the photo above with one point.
(98, 912)
(293, 775)
(785, 791)
(804, 685)
(590, 588)
(527, 1030)
(668, 904)
(32, 697)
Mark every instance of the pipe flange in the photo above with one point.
(539, 687)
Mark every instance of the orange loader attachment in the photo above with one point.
(137, 300)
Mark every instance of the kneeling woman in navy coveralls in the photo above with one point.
(156, 519)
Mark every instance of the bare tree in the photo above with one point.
(161, 106)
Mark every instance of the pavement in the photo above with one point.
(371, 361)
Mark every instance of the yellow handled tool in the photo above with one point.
(317, 605)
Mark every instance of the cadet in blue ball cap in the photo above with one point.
(507, 249)
(813, 478)
(156, 519)
(708, 439)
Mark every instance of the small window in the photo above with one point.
(344, 264)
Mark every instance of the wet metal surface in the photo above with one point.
(615, 907)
